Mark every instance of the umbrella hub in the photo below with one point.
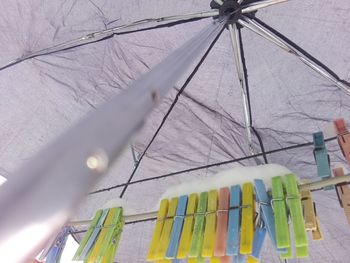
(229, 8)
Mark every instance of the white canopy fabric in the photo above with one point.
(43, 94)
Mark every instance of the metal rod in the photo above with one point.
(98, 35)
(219, 2)
(261, 30)
(259, 4)
(240, 71)
(153, 214)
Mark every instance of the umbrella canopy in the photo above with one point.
(55, 69)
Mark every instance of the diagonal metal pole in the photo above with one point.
(259, 4)
(242, 79)
(263, 31)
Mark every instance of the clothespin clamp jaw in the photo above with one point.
(321, 157)
(343, 138)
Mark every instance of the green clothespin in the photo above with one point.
(281, 217)
(198, 230)
(108, 239)
(296, 213)
(87, 235)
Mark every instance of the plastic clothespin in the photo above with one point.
(247, 225)
(259, 238)
(198, 230)
(267, 214)
(308, 210)
(321, 157)
(163, 209)
(343, 138)
(234, 222)
(296, 213)
(110, 233)
(251, 259)
(55, 252)
(167, 227)
(281, 218)
(187, 231)
(87, 236)
(210, 225)
(239, 258)
(343, 193)
(222, 221)
(177, 228)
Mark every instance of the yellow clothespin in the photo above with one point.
(165, 236)
(210, 225)
(252, 260)
(247, 225)
(214, 260)
(163, 209)
(317, 233)
(186, 236)
(308, 210)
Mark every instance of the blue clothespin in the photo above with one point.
(259, 237)
(239, 259)
(321, 157)
(177, 228)
(94, 235)
(55, 252)
(233, 229)
(266, 211)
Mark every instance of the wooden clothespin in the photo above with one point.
(296, 213)
(186, 236)
(177, 228)
(321, 157)
(281, 218)
(198, 230)
(55, 252)
(343, 138)
(317, 233)
(308, 210)
(343, 192)
(222, 222)
(210, 225)
(107, 242)
(163, 209)
(234, 222)
(167, 227)
(247, 223)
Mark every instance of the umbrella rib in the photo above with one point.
(252, 7)
(167, 114)
(283, 42)
(296, 146)
(107, 33)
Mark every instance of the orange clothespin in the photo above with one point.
(343, 138)
(343, 192)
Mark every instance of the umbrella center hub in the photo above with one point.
(232, 9)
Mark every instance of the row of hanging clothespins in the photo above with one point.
(223, 224)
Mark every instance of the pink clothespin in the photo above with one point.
(222, 221)
(343, 138)
(343, 192)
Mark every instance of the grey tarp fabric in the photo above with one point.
(43, 96)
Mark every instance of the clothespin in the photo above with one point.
(281, 218)
(317, 233)
(343, 138)
(168, 224)
(296, 213)
(163, 209)
(177, 228)
(267, 214)
(198, 230)
(247, 225)
(308, 210)
(251, 259)
(110, 233)
(87, 236)
(55, 252)
(259, 237)
(222, 221)
(239, 258)
(321, 157)
(343, 192)
(234, 222)
(210, 225)
(186, 236)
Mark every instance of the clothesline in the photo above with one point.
(313, 186)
